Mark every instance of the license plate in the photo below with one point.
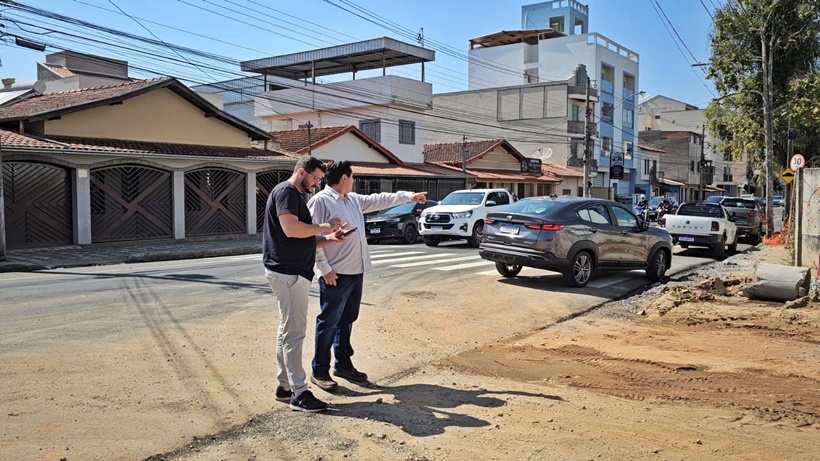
(509, 230)
(686, 239)
(436, 228)
(375, 230)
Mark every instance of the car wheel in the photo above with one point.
(478, 232)
(431, 241)
(508, 270)
(719, 250)
(580, 270)
(657, 268)
(733, 246)
(410, 234)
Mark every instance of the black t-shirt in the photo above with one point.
(281, 253)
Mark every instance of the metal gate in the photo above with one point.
(215, 202)
(130, 203)
(37, 204)
(265, 182)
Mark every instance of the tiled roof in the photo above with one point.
(503, 175)
(452, 152)
(49, 102)
(59, 70)
(650, 148)
(49, 105)
(675, 134)
(12, 139)
(407, 169)
(560, 170)
(297, 140)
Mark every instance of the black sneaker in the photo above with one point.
(351, 375)
(282, 394)
(307, 402)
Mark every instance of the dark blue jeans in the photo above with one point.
(334, 325)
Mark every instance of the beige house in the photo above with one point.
(495, 164)
(375, 168)
(145, 159)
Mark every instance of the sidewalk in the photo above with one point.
(127, 252)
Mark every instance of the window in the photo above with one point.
(407, 132)
(606, 146)
(624, 217)
(607, 79)
(595, 214)
(566, 191)
(372, 128)
(629, 118)
(576, 113)
(646, 166)
(606, 112)
(499, 198)
(627, 150)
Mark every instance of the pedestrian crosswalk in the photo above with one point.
(463, 261)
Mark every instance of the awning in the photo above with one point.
(670, 182)
(714, 189)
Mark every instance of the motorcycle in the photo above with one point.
(641, 210)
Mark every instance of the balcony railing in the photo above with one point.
(581, 90)
(728, 178)
(607, 86)
(577, 127)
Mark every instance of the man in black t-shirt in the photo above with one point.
(290, 241)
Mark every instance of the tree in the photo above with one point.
(761, 49)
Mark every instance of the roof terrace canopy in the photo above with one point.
(506, 37)
(378, 53)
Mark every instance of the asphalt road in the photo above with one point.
(43, 309)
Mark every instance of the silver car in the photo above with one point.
(574, 236)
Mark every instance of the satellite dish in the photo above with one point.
(542, 154)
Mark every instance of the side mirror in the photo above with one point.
(490, 203)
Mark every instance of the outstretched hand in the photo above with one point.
(419, 197)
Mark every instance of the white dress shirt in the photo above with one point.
(351, 256)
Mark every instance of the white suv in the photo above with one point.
(461, 215)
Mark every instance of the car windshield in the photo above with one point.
(530, 206)
(778, 197)
(714, 199)
(400, 209)
(739, 203)
(463, 198)
(706, 211)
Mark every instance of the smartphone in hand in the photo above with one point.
(347, 232)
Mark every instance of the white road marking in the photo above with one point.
(409, 258)
(436, 261)
(483, 262)
(388, 255)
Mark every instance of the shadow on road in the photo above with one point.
(223, 282)
(423, 410)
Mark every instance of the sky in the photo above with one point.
(237, 30)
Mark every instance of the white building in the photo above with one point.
(553, 44)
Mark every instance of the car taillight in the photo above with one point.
(489, 221)
(752, 214)
(546, 227)
(715, 226)
(662, 222)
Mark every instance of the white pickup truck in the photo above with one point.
(461, 215)
(703, 225)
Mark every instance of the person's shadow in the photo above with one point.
(419, 409)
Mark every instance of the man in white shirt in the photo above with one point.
(341, 269)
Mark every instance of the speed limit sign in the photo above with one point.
(797, 162)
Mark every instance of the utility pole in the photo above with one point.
(587, 139)
(308, 125)
(464, 154)
(702, 162)
(787, 196)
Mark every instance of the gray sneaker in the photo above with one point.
(307, 402)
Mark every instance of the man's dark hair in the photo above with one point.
(310, 164)
(336, 169)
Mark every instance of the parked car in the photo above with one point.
(748, 217)
(704, 225)
(574, 236)
(461, 215)
(777, 200)
(399, 222)
(716, 199)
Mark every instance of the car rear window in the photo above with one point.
(530, 206)
(706, 211)
(735, 203)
